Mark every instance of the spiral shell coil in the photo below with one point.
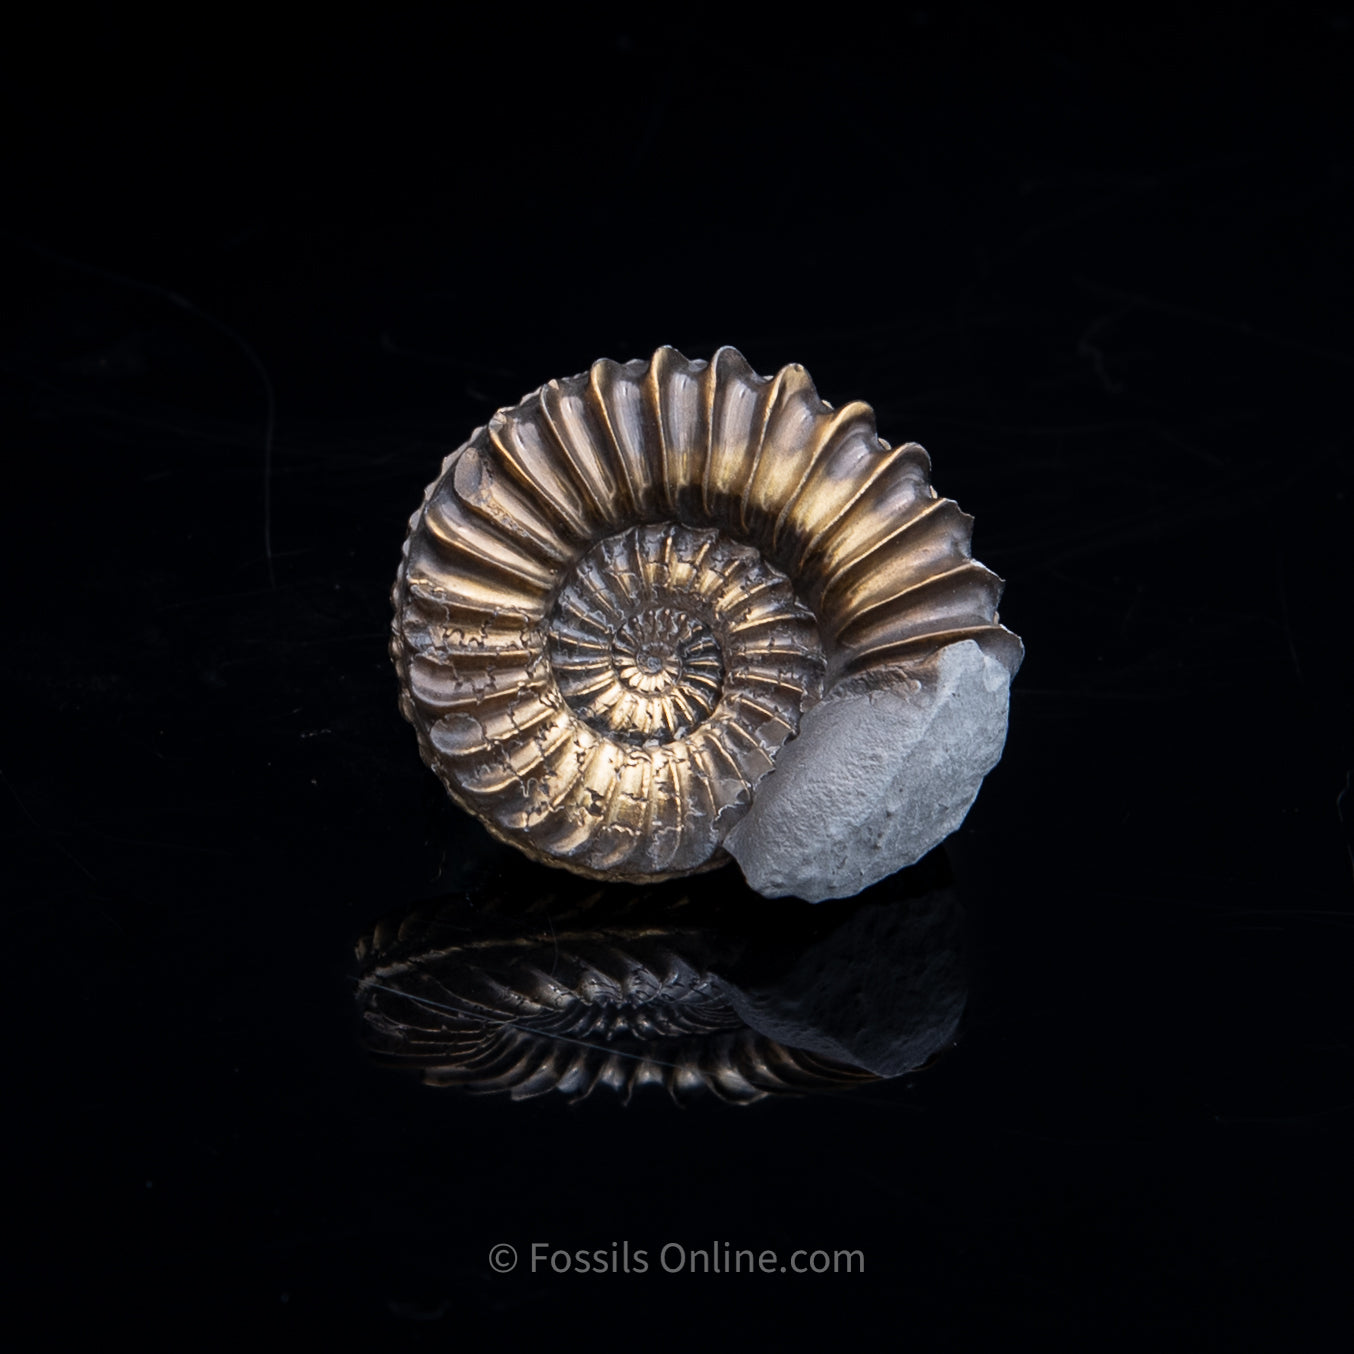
(619, 598)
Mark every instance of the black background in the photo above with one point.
(260, 279)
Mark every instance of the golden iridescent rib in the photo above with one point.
(620, 597)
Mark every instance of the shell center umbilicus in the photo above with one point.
(652, 628)
(662, 648)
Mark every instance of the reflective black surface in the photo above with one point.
(256, 291)
(527, 984)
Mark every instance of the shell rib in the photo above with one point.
(619, 599)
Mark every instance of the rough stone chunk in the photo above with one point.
(875, 778)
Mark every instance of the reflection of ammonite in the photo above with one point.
(496, 990)
(633, 601)
(611, 1005)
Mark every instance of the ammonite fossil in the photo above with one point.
(665, 612)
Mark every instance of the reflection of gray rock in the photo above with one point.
(589, 986)
(884, 990)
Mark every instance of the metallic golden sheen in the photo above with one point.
(618, 599)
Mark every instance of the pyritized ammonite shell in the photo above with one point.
(619, 600)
